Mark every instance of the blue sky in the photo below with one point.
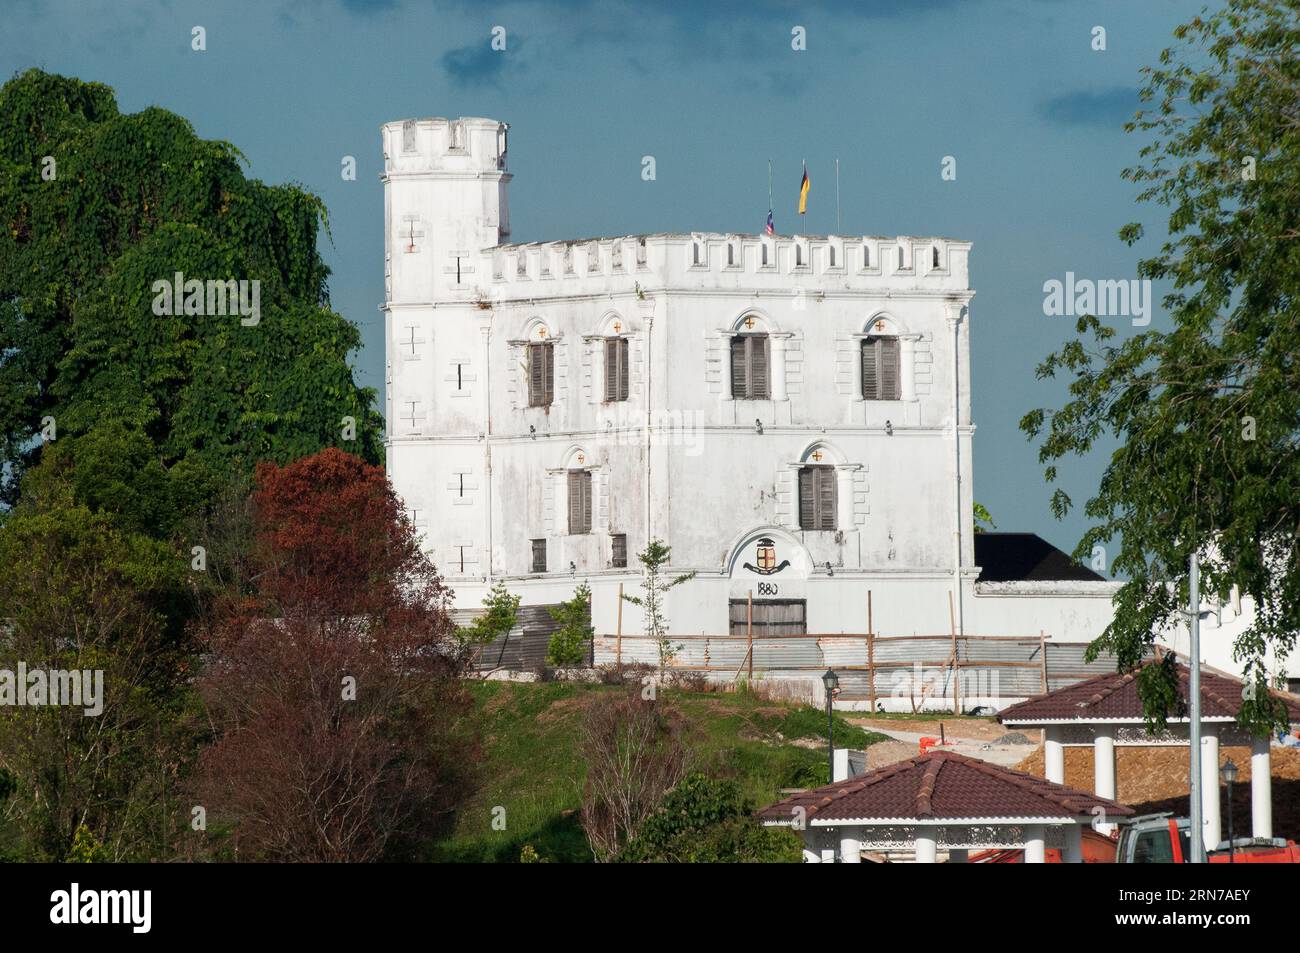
(1011, 88)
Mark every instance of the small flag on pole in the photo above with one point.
(804, 186)
(771, 225)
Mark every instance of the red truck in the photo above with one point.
(1164, 839)
(1158, 839)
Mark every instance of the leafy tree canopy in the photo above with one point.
(1206, 412)
(96, 206)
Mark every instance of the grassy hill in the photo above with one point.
(533, 770)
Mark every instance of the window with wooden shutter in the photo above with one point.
(541, 374)
(579, 501)
(880, 377)
(539, 555)
(616, 369)
(749, 367)
(619, 559)
(817, 502)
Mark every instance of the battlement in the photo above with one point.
(908, 260)
(465, 145)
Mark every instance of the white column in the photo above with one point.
(926, 848)
(1261, 788)
(840, 763)
(844, 498)
(1054, 754)
(1210, 822)
(776, 343)
(1035, 845)
(1073, 844)
(850, 846)
(958, 855)
(906, 367)
(1103, 767)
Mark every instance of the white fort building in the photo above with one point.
(791, 414)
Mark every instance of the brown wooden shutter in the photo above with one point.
(549, 351)
(586, 502)
(826, 497)
(611, 368)
(889, 385)
(807, 498)
(623, 368)
(539, 555)
(870, 377)
(536, 385)
(739, 369)
(758, 375)
(575, 501)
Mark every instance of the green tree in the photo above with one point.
(655, 583)
(500, 613)
(568, 644)
(1206, 412)
(77, 593)
(96, 207)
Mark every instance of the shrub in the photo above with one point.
(703, 820)
(634, 750)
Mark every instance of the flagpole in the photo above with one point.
(769, 185)
(837, 195)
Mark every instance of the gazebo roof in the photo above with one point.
(1114, 697)
(939, 786)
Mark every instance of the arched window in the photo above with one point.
(749, 367)
(880, 379)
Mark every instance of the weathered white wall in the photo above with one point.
(704, 477)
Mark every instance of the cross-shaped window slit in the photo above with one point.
(461, 478)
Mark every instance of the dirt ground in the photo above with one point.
(976, 729)
(1155, 779)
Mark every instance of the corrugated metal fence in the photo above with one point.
(913, 667)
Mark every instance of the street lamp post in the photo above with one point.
(1229, 774)
(832, 683)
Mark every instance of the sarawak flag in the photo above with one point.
(803, 192)
(771, 225)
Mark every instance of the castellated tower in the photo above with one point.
(445, 200)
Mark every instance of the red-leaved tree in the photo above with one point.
(341, 728)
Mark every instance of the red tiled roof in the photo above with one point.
(940, 785)
(1115, 696)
